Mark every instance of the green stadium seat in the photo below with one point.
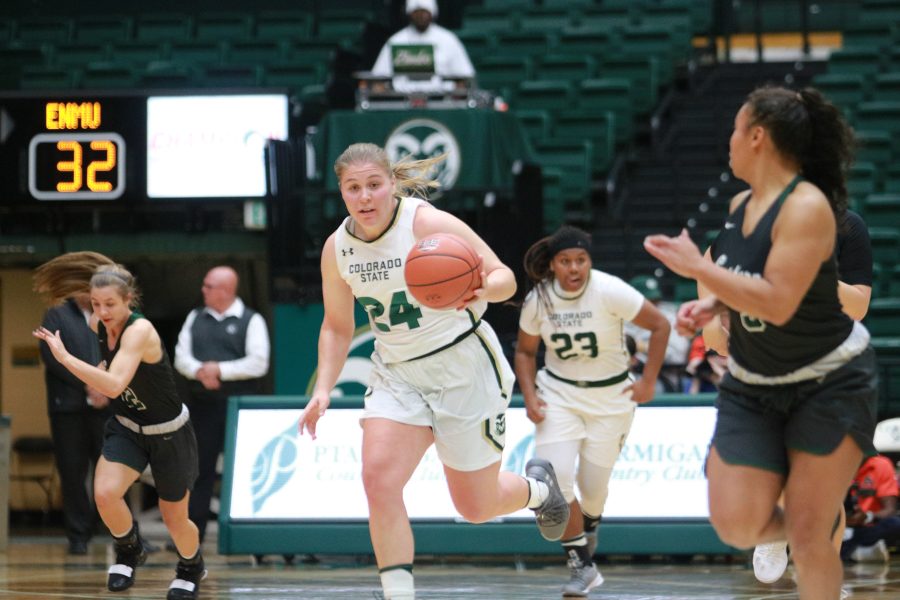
(571, 67)
(76, 54)
(883, 209)
(479, 44)
(292, 75)
(641, 71)
(227, 76)
(103, 28)
(862, 180)
(684, 290)
(845, 90)
(670, 45)
(320, 51)
(879, 11)
(108, 75)
(599, 127)
(578, 4)
(197, 52)
(507, 4)
(550, 95)
(604, 16)
(874, 146)
(891, 179)
(169, 75)
(163, 27)
(881, 116)
(221, 26)
(340, 24)
(6, 31)
(42, 77)
(496, 72)
(887, 87)
(138, 53)
(700, 12)
(250, 52)
(596, 42)
(554, 204)
(890, 281)
(883, 318)
(885, 245)
(284, 25)
(573, 158)
(39, 30)
(878, 35)
(546, 19)
(610, 94)
(858, 60)
(536, 123)
(523, 43)
(483, 18)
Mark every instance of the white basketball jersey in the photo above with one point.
(404, 329)
(583, 333)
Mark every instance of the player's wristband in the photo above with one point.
(870, 517)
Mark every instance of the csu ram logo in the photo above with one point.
(425, 138)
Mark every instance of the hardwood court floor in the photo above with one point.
(38, 568)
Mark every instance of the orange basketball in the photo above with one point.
(442, 269)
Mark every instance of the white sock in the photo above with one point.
(397, 584)
(539, 492)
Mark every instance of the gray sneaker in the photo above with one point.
(553, 515)
(583, 579)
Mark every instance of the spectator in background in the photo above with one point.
(705, 368)
(223, 350)
(669, 380)
(77, 414)
(450, 57)
(871, 505)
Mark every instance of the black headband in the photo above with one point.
(569, 238)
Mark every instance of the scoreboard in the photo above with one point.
(135, 147)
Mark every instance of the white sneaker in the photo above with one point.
(877, 552)
(770, 561)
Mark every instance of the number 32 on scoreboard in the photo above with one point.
(77, 166)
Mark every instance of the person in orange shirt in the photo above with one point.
(872, 521)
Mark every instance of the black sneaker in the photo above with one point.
(186, 585)
(129, 556)
(553, 515)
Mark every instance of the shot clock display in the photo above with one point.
(136, 147)
(76, 166)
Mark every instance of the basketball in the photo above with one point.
(442, 269)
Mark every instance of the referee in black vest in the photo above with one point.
(223, 350)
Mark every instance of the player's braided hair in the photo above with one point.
(540, 254)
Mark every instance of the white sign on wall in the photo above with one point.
(278, 474)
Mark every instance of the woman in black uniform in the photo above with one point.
(797, 408)
(151, 425)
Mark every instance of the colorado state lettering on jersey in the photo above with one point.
(376, 270)
(570, 319)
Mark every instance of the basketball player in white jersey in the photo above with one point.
(582, 401)
(439, 376)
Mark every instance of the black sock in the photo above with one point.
(590, 523)
(194, 560)
(129, 538)
(576, 549)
